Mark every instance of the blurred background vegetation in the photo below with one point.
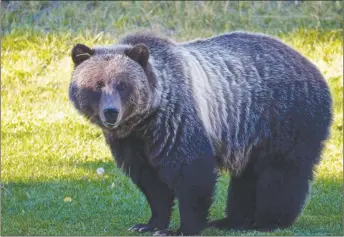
(49, 155)
(173, 18)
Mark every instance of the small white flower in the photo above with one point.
(100, 171)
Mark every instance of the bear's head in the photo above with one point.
(112, 86)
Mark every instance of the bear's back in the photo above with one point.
(243, 83)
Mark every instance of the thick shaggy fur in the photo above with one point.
(243, 102)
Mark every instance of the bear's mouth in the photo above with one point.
(109, 125)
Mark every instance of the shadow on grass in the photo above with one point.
(109, 204)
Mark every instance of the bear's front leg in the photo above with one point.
(194, 191)
(134, 164)
(159, 197)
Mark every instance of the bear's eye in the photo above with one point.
(99, 85)
(121, 87)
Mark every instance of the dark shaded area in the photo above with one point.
(38, 208)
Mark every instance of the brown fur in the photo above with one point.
(245, 102)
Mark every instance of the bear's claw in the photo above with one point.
(166, 233)
(141, 228)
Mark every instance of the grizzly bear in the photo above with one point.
(173, 114)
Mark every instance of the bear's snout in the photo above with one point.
(110, 115)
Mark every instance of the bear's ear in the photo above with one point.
(80, 53)
(139, 53)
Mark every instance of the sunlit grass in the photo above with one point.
(50, 153)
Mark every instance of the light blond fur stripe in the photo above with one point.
(218, 94)
(202, 91)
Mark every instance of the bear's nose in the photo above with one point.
(110, 115)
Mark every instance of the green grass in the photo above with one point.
(49, 152)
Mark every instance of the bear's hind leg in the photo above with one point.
(240, 202)
(281, 193)
(159, 197)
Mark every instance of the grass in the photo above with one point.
(50, 154)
